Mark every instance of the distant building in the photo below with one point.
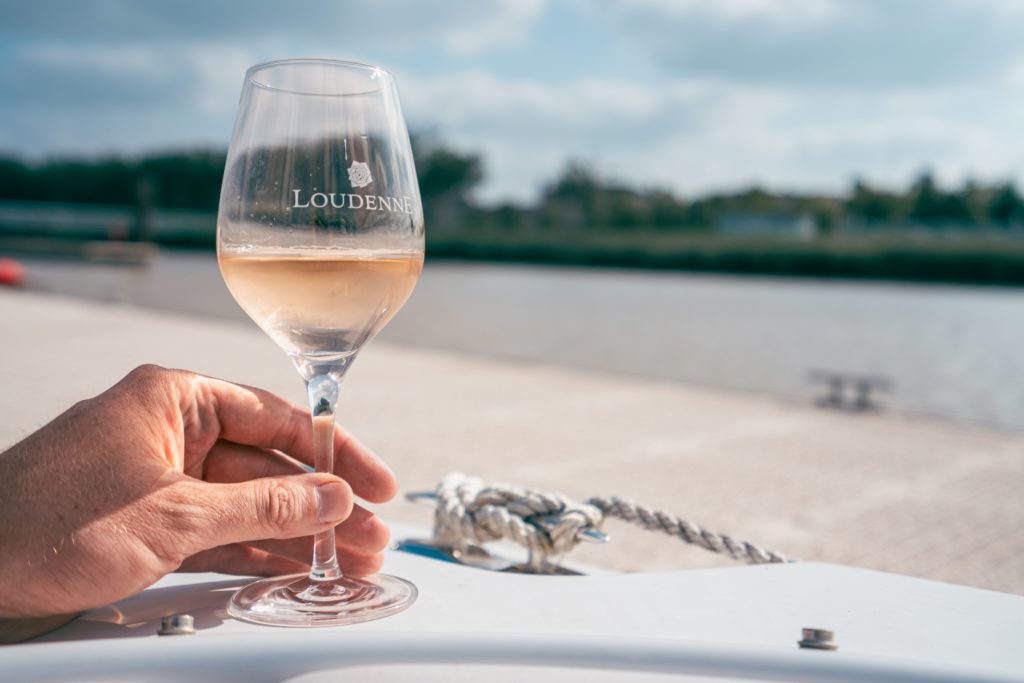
(773, 224)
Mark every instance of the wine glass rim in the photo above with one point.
(251, 72)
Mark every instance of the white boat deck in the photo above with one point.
(740, 623)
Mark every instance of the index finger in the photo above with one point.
(255, 417)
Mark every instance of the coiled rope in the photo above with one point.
(551, 524)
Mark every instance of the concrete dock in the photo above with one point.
(914, 497)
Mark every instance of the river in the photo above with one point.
(948, 352)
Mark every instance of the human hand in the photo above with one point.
(169, 470)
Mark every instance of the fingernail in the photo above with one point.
(332, 502)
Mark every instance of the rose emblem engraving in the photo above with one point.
(359, 174)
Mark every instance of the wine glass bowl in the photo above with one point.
(320, 240)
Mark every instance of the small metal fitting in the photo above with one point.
(177, 625)
(818, 639)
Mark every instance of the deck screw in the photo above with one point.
(177, 625)
(818, 639)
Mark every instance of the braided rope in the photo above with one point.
(656, 520)
(550, 524)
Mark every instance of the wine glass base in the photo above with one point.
(297, 600)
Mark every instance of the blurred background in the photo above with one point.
(812, 201)
(818, 142)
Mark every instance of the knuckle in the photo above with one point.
(83, 407)
(280, 507)
(150, 376)
(146, 373)
(140, 382)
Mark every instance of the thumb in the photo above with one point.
(275, 507)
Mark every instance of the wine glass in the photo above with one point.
(320, 240)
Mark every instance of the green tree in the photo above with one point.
(578, 182)
(932, 206)
(623, 208)
(185, 180)
(445, 172)
(1006, 207)
(872, 206)
(573, 199)
(16, 180)
(666, 211)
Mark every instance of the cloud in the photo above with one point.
(75, 98)
(318, 24)
(800, 15)
(102, 75)
(58, 75)
(824, 43)
(795, 95)
(706, 134)
(526, 129)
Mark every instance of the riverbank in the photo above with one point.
(924, 499)
(928, 256)
(987, 259)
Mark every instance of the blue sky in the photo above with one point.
(690, 95)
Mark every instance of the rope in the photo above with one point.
(550, 524)
(684, 529)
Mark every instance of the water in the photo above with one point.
(955, 353)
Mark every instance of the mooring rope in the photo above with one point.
(551, 524)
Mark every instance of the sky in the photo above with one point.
(691, 96)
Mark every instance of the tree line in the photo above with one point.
(578, 199)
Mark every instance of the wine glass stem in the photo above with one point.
(323, 395)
